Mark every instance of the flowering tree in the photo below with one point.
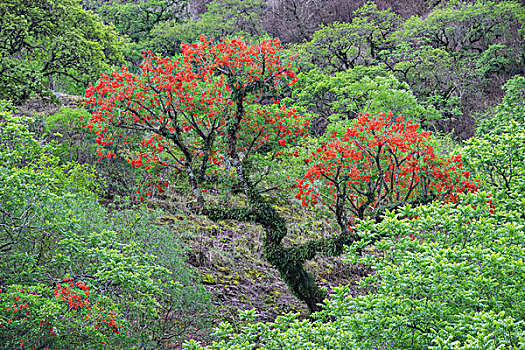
(203, 115)
(211, 113)
(190, 113)
(379, 163)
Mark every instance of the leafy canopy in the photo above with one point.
(41, 41)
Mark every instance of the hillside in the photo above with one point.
(236, 174)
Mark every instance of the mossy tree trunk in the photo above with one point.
(289, 261)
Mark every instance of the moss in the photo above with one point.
(231, 279)
(224, 275)
(273, 297)
(269, 299)
(208, 278)
(223, 269)
(253, 274)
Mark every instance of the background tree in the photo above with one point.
(335, 99)
(295, 21)
(291, 21)
(47, 45)
(454, 59)
(340, 46)
(222, 18)
(139, 21)
(477, 47)
(441, 82)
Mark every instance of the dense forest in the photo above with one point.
(262, 174)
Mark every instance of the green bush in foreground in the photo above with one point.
(73, 275)
(447, 277)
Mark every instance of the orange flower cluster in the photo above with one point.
(277, 126)
(25, 313)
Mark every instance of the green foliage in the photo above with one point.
(446, 277)
(72, 143)
(47, 40)
(342, 97)
(341, 46)
(496, 155)
(453, 59)
(511, 108)
(436, 77)
(65, 130)
(17, 146)
(185, 306)
(136, 19)
(41, 239)
(20, 151)
(466, 28)
(54, 230)
(140, 22)
(496, 58)
(441, 267)
(223, 18)
(456, 56)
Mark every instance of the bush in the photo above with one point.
(336, 99)
(446, 277)
(73, 275)
(496, 155)
(65, 132)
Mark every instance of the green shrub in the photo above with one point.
(446, 277)
(337, 99)
(496, 155)
(71, 142)
(57, 240)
